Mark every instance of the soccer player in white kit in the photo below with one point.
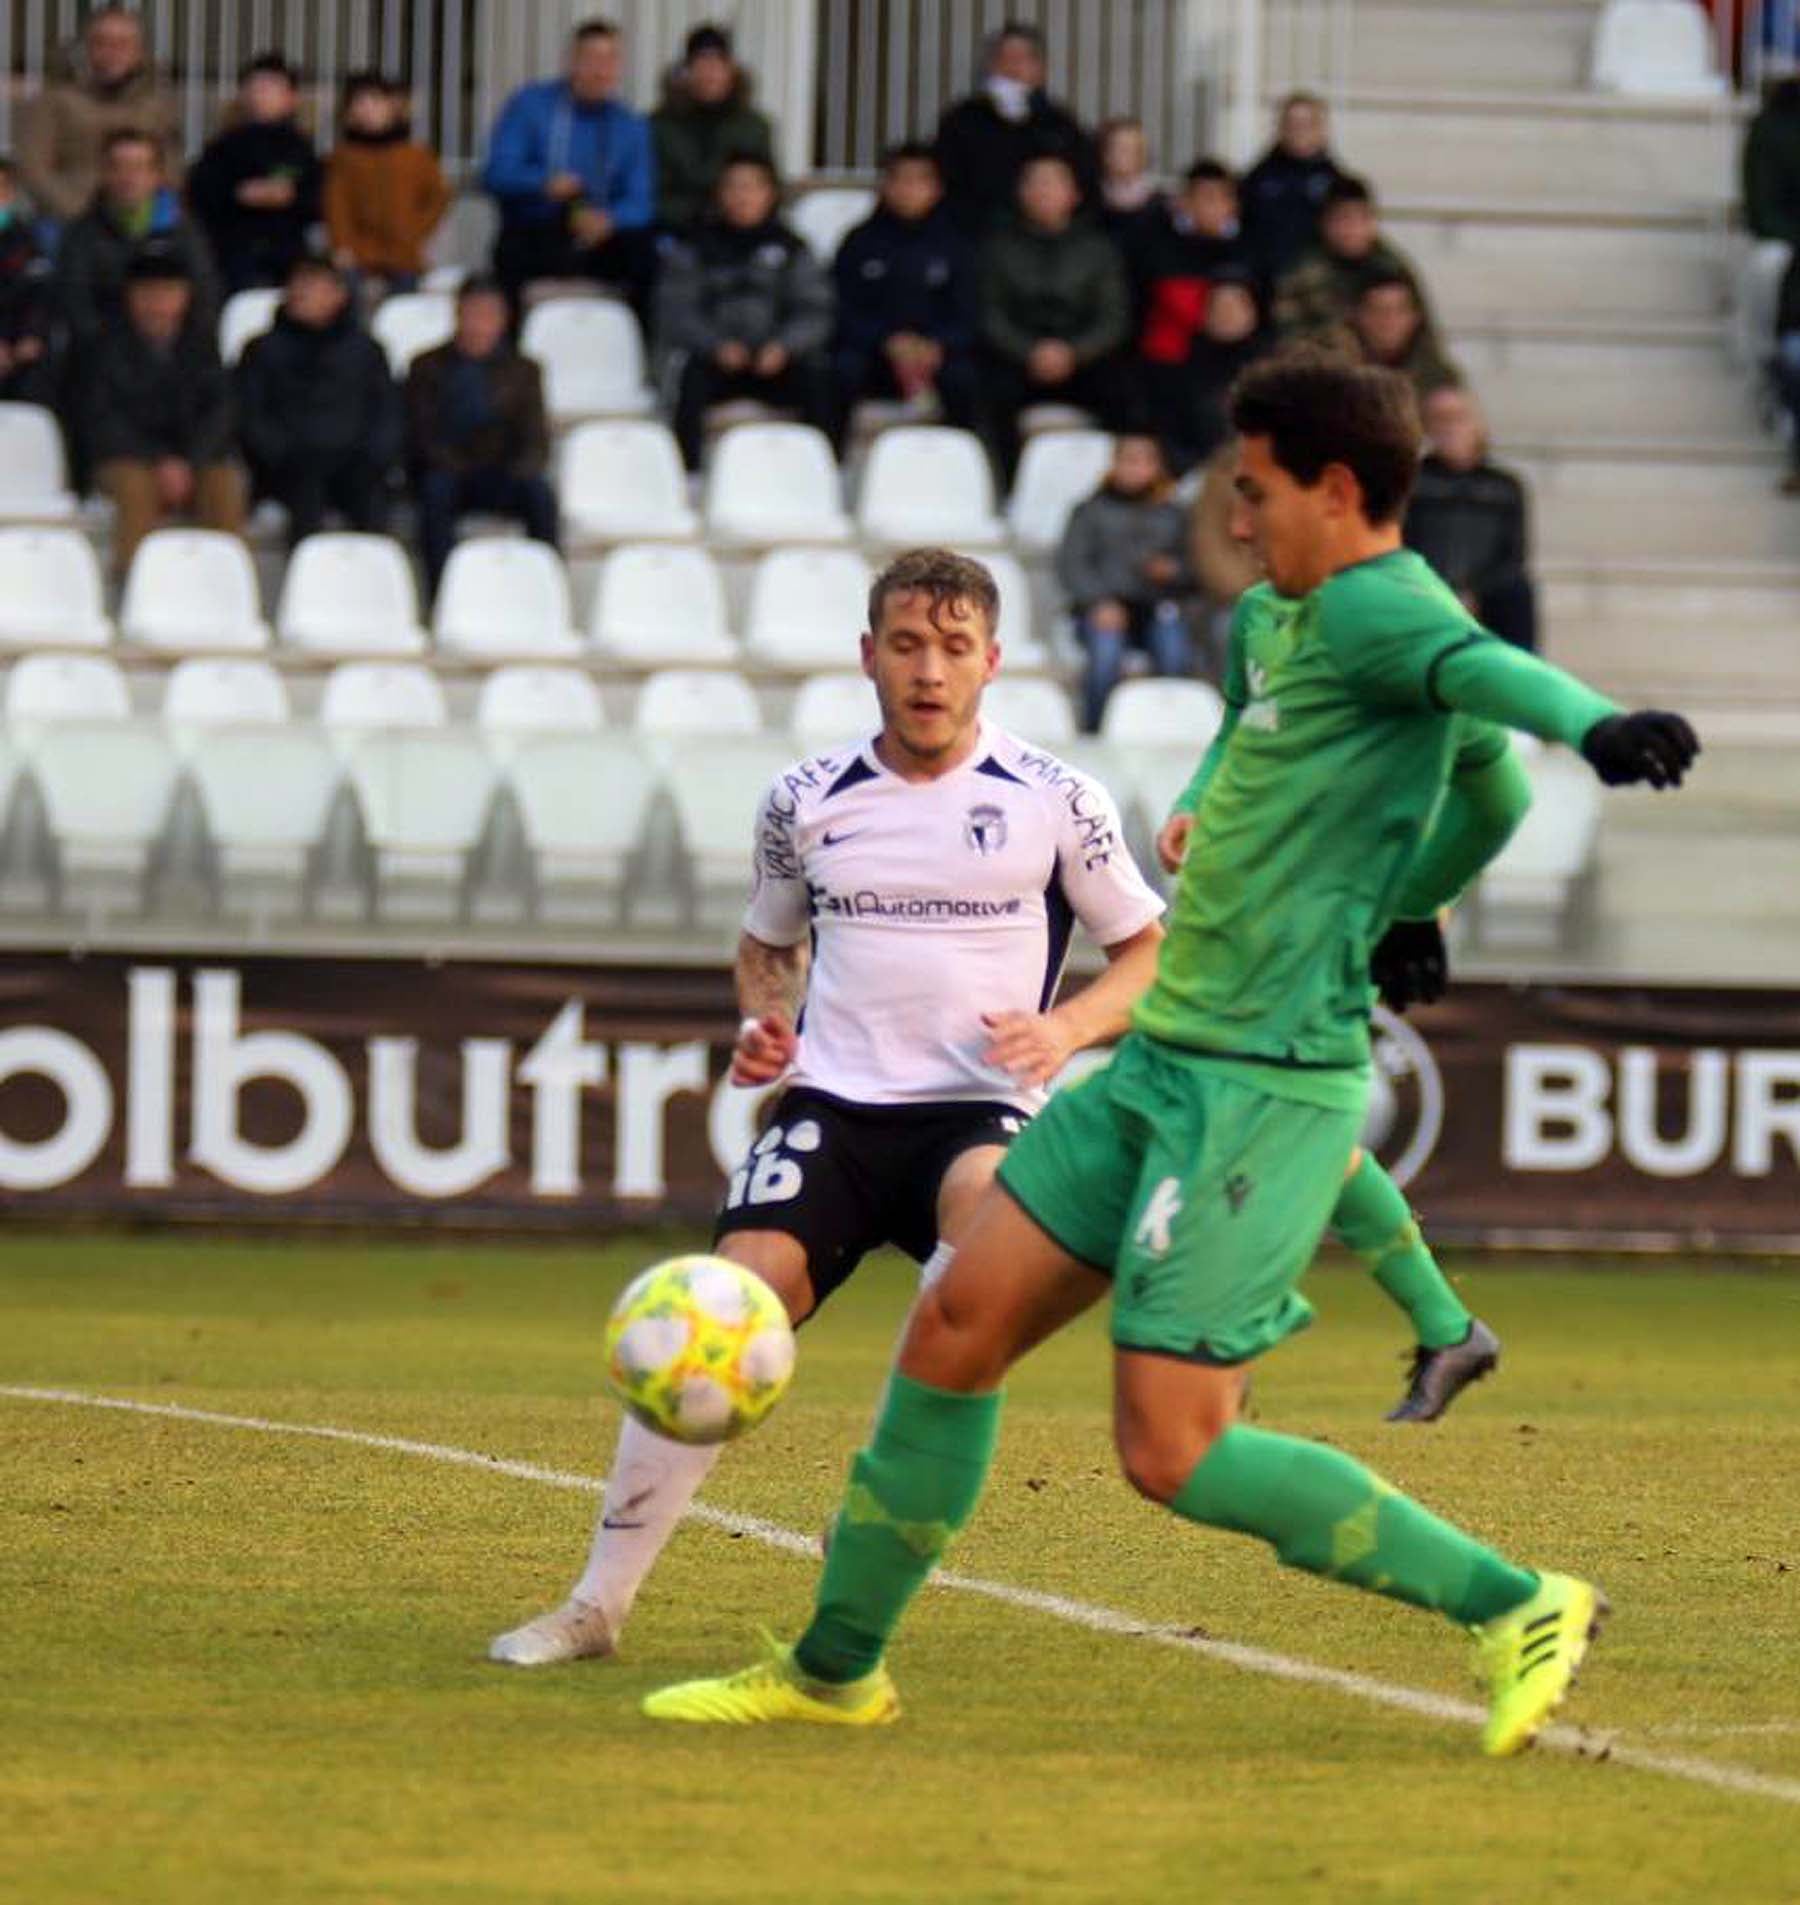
(899, 966)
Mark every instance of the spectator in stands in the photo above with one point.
(1284, 192)
(385, 192)
(133, 207)
(570, 165)
(1771, 174)
(321, 416)
(906, 308)
(1055, 313)
(705, 118)
(745, 309)
(1123, 564)
(1189, 399)
(157, 409)
(1314, 299)
(1467, 518)
(478, 435)
(28, 329)
(255, 189)
(1388, 325)
(985, 141)
(106, 86)
(1133, 209)
(1787, 367)
(1222, 560)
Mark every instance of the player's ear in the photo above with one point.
(993, 660)
(868, 655)
(1343, 493)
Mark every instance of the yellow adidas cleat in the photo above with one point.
(1528, 1658)
(774, 1689)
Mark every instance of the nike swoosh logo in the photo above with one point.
(829, 839)
(614, 1522)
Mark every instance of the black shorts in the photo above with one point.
(844, 1179)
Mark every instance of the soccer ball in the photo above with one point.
(699, 1349)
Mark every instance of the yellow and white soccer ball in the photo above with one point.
(699, 1349)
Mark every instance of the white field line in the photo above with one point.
(1577, 1741)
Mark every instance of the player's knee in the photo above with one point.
(947, 1347)
(1158, 1459)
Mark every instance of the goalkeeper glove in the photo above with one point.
(1652, 746)
(1410, 966)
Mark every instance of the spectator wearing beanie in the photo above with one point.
(321, 418)
(705, 118)
(255, 189)
(1284, 192)
(745, 309)
(907, 316)
(1467, 518)
(385, 192)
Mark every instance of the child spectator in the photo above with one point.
(1314, 299)
(571, 167)
(705, 118)
(385, 192)
(1388, 325)
(478, 436)
(255, 189)
(1284, 192)
(748, 309)
(1132, 207)
(132, 208)
(28, 338)
(1189, 400)
(1055, 313)
(1467, 518)
(320, 414)
(1124, 566)
(906, 310)
(157, 417)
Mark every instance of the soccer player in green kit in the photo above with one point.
(1198, 1170)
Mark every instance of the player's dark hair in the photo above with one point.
(1347, 189)
(949, 580)
(1317, 410)
(910, 152)
(1209, 172)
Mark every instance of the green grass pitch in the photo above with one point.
(241, 1667)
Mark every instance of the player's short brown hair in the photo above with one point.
(949, 580)
(1317, 409)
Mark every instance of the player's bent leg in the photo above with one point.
(649, 1487)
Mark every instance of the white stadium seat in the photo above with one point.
(1056, 471)
(661, 604)
(247, 314)
(774, 483)
(34, 479)
(716, 807)
(43, 691)
(425, 796)
(190, 590)
(926, 484)
(505, 599)
(203, 695)
(370, 697)
(1163, 713)
(267, 795)
(524, 701)
(622, 481)
(51, 590)
(684, 703)
(107, 787)
(349, 594)
(826, 216)
(411, 323)
(830, 710)
(592, 356)
(1035, 710)
(808, 609)
(1021, 650)
(1525, 895)
(1662, 47)
(584, 801)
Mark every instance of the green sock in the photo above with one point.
(1375, 1220)
(1324, 1512)
(910, 1490)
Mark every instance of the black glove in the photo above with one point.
(1410, 965)
(1652, 746)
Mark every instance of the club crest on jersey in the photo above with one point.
(984, 830)
(1263, 710)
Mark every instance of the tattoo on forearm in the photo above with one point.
(770, 978)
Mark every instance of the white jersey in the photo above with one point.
(930, 903)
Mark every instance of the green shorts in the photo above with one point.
(1204, 1194)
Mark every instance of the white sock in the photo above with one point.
(935, 1265)
(651, 1483)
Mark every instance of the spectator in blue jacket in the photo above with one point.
(572, 169)
(907, 317)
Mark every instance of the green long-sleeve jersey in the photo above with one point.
(1347, 713)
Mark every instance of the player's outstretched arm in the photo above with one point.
(1034, 1046)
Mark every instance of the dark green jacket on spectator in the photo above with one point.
(692, 143)
(1316, 296)
(1772, 167)
(139, 403)
(733, 286)
(1110, 538)
(1066, 285)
